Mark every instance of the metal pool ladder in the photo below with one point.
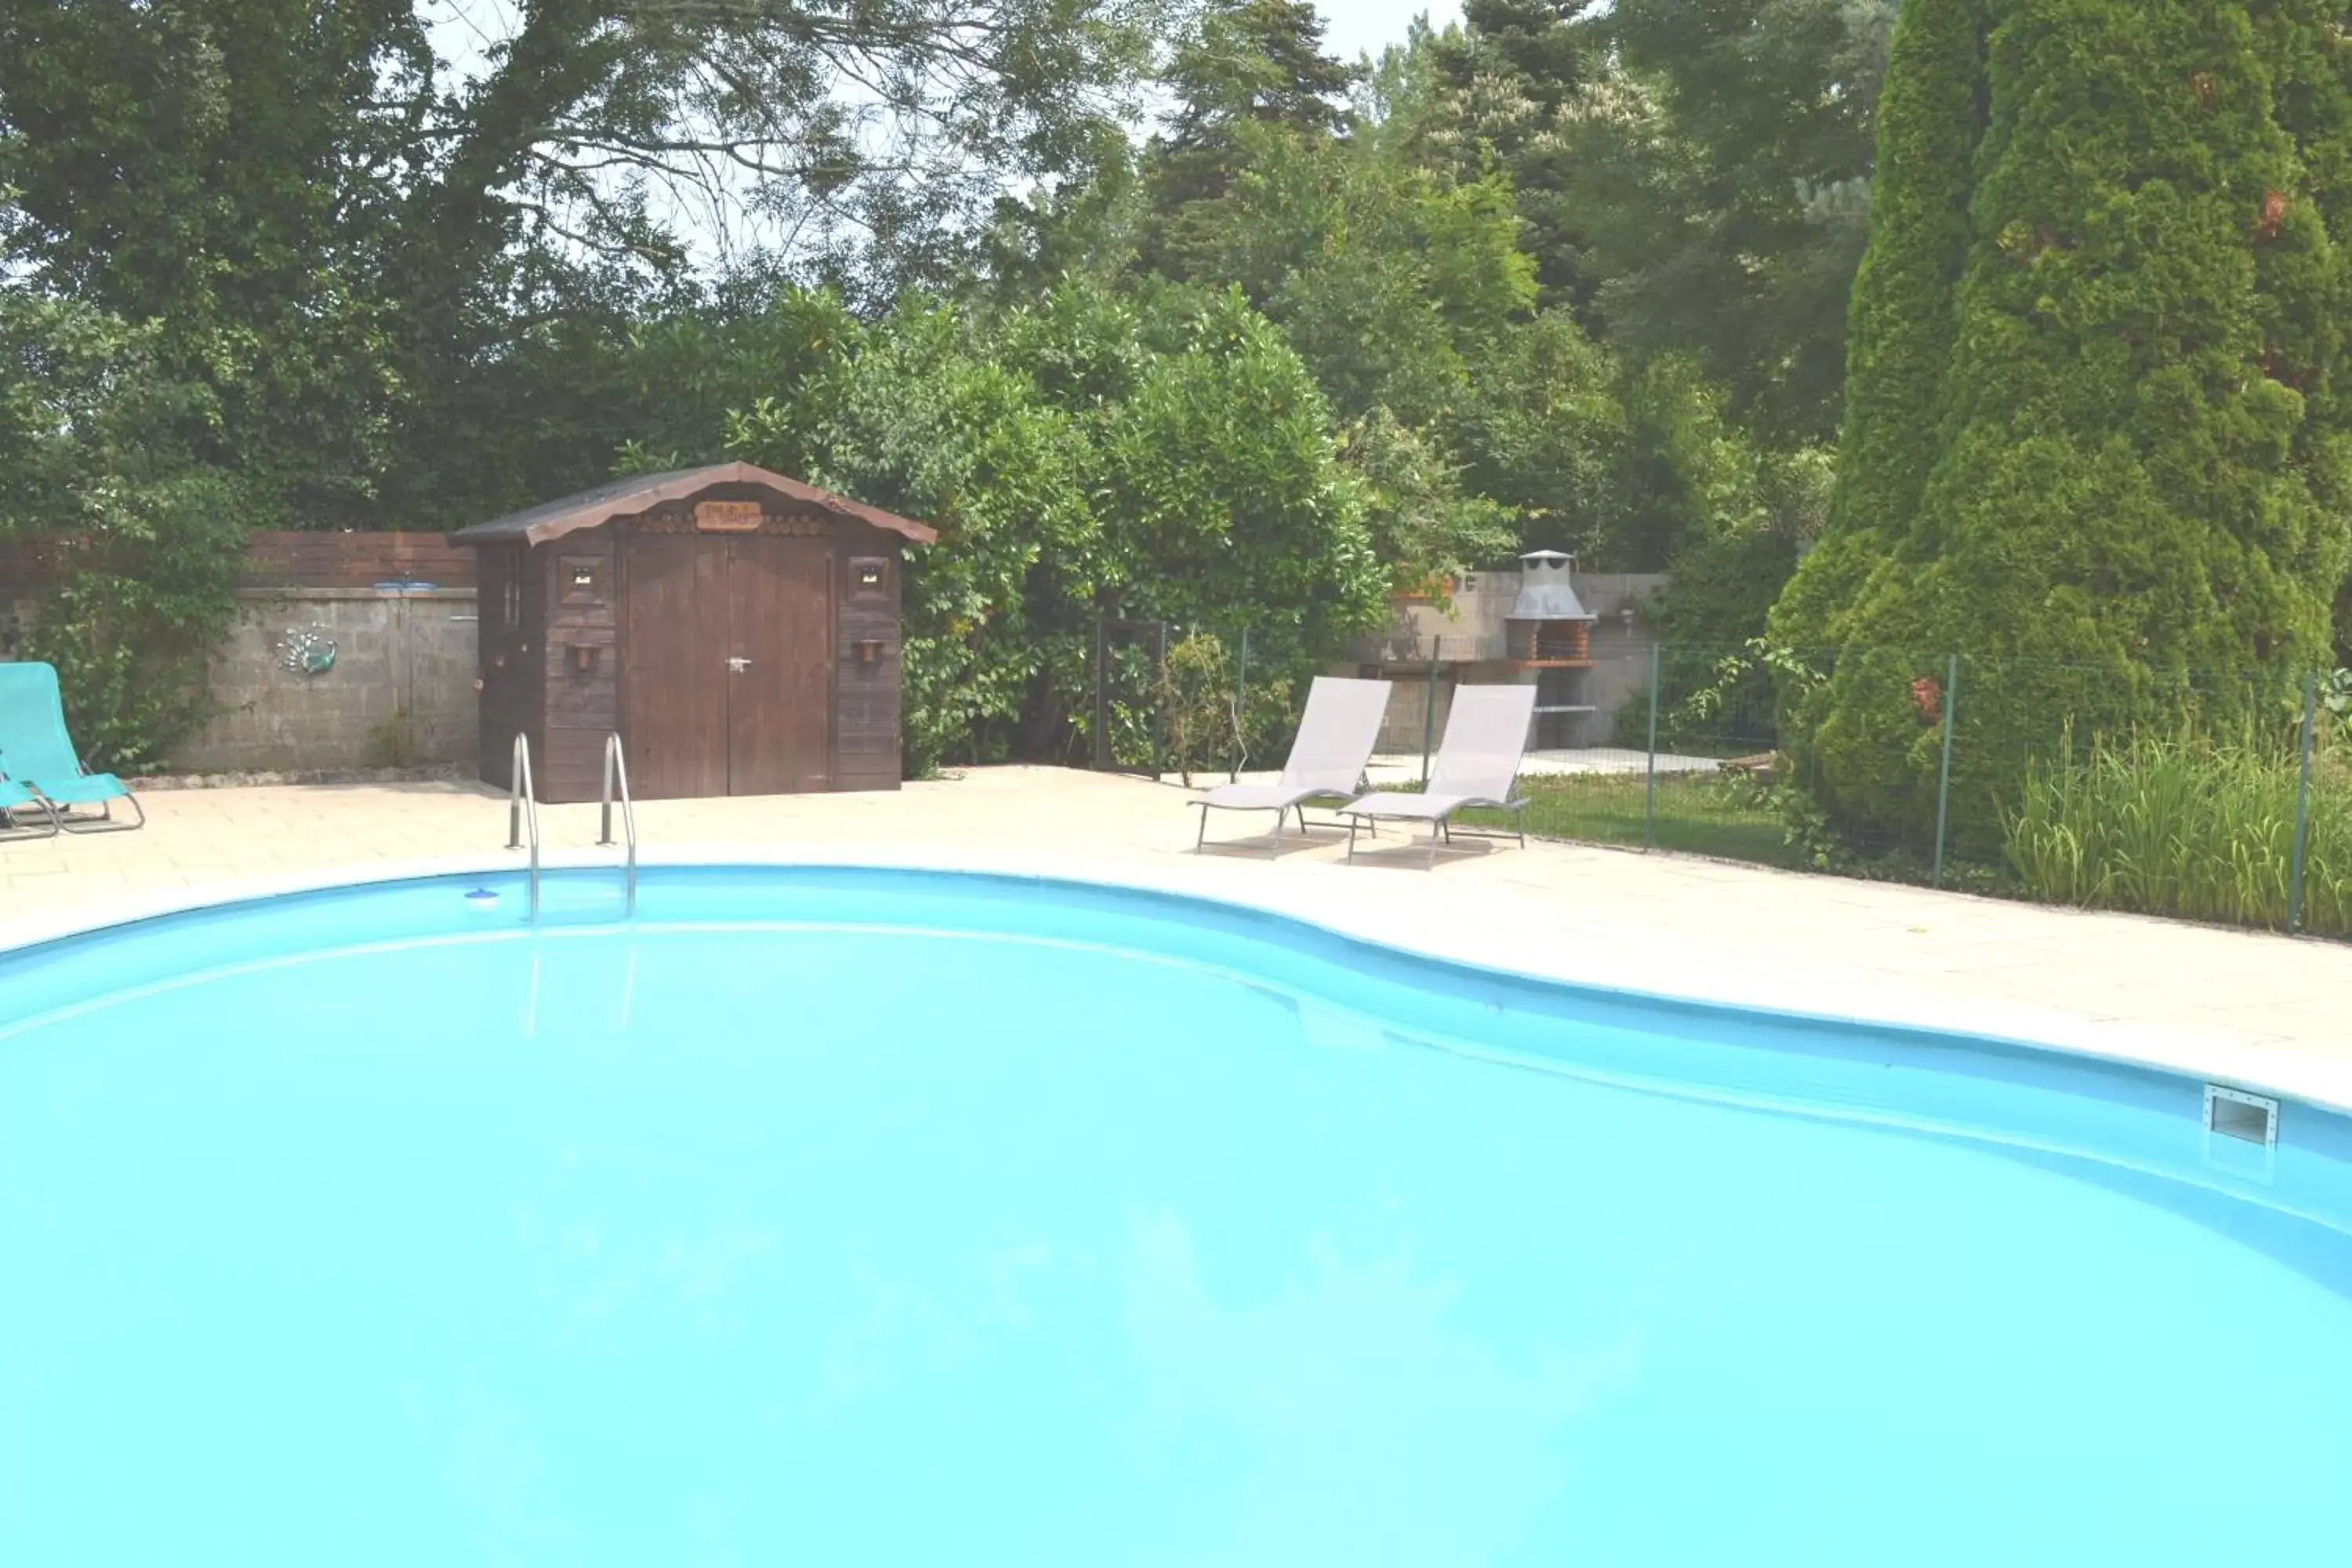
(522, 806)
(522, 810)
(617, 765)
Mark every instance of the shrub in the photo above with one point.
(150, 592)
(1207, 717)
(1170, 461)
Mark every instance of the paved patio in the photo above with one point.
(2262, 1011)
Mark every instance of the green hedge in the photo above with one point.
(2096, 423)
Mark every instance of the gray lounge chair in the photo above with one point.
(1477, 765)
(1326, 761)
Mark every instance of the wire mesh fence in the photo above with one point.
(2219, 796)
(1171, 699)
(1123, 722)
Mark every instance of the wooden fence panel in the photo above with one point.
(289, 559)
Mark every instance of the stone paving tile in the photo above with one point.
(52, 866)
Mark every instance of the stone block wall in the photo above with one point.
(399, 691)
(1467, 639)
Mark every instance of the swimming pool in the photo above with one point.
(839, 1216)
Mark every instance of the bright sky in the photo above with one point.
(1366, 26)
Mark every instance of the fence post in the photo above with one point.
(1944, 771)
(1650, 785)
(1240, 711)
(2302, 808)
(1429, 709)
(1102, 698)
(1160, 751)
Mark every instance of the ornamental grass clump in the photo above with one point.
(2184, 826)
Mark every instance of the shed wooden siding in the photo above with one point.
(866, 696)
(580, 710)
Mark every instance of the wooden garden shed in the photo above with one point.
(738, 629)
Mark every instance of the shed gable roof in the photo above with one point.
(640, 492)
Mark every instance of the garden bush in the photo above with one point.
(97, 449)
(1168, 461)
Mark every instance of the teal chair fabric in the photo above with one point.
(37, 754)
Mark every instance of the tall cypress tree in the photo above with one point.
(2096, 432)
(1247, 63)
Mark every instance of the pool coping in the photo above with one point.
(1384, 923)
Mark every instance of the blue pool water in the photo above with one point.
(836, 1218)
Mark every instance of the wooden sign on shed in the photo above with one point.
(727, 516)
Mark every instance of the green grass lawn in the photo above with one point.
(1696, 815)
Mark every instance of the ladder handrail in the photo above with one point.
(616, 763)
(523, 805)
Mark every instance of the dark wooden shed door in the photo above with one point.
(728, 664)
(780, 700)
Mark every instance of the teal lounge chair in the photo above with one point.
(38, 756)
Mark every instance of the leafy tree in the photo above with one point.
(1170, 456)
(149, 536)
(1692, 174)
(1224, 502)
(1510, 79)
(2098, 435)
(922, 419)
(1424, 526)
(1544, 431)
(396, 269)
(1394, 279)
(1245, 65)
(1723, 189)
(1688, 178)
(209, 167)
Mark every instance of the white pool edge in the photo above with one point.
(1385, 923)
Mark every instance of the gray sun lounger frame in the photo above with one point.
(1477, 765)
(15, 798)
(1336, 736)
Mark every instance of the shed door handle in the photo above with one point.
(739, 665)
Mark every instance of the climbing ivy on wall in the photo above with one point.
(144, 540)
